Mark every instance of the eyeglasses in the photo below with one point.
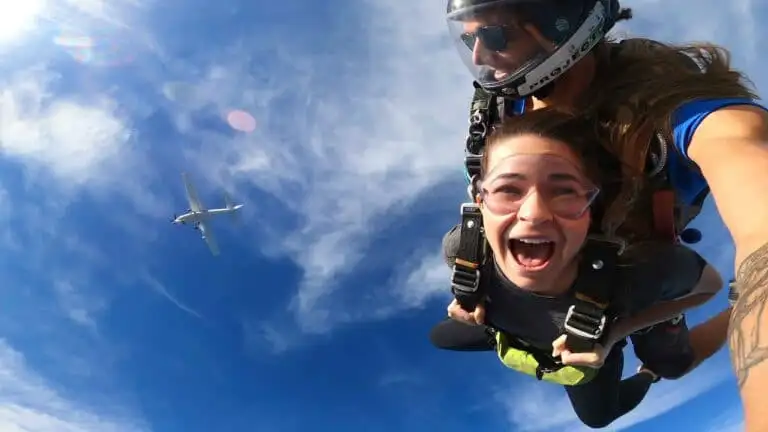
(567, 201)
(493, 37)
(558, 181)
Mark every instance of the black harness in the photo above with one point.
(589, 317)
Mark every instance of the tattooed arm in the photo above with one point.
(748, 333)
(731, 148)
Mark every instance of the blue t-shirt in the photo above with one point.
(687, 181)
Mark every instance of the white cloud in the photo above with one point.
(74, 141)
(77, 306)
(429, 280)
(28, 402)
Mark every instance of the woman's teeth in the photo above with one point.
(532, 253)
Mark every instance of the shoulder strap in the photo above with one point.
(470, 255)
(585, 322)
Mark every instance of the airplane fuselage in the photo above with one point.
(197, 216)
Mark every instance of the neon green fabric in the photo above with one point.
(525, 362)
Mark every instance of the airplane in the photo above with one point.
(198, 215)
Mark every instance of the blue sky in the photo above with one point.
(317, 312)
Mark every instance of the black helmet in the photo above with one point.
(516, 47)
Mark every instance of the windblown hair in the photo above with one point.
(583, 136)
(639, 84)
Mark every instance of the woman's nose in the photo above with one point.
(534, 209)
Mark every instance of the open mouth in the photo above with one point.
(532, 254)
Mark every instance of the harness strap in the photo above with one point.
(465, 277)
(586, 320)
(664, 214)
(482, 116)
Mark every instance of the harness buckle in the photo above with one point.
(472, 163)
(584, 325)
(465, 280)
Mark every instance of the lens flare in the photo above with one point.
(241, 121)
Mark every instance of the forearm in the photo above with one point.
(748, 337)
(655, 314)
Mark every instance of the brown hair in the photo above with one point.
(635, 92)
(582, 135)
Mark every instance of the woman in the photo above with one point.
(541, 195)
(554, 53)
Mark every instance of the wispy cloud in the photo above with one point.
(733, 24)
(345, 159)
(28, 402)
(429, 280)
(160, 289)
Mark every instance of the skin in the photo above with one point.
(730, 147)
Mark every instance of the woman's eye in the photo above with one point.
(564, 191)
(508, 190)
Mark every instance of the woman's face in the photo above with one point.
(535, 205)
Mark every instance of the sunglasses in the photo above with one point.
(493, 37)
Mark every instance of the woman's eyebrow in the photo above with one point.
(564, 177)
(510, 176)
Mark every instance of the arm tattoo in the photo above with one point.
(748, 330)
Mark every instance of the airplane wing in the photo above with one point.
(194, 201)
(205, 230)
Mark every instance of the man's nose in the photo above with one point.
(479, 53)
(534, 209)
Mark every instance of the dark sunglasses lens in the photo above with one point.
(493, 38)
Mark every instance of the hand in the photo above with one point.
(594, 359)
(476, 317)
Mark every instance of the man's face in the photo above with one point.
(503, 41)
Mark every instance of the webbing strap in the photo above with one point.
(481, 118)
(586, 320)
(664, 214)
(465, 278)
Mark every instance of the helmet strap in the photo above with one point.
(545, 91)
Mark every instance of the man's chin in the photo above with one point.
(500, 76)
